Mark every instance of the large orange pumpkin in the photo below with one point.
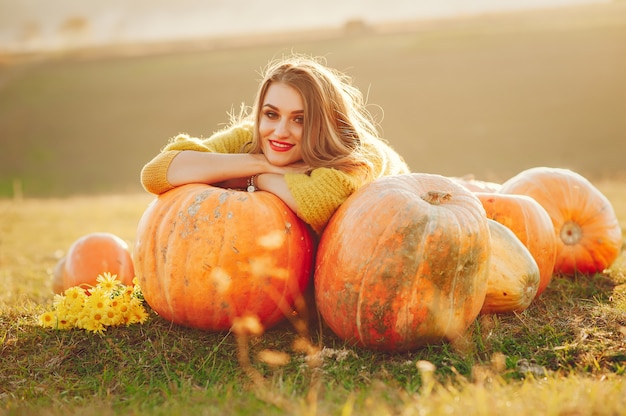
(513, 273)
(92, 255)
(530, 222)
(589, 237)
(206, 256)
(403, 263)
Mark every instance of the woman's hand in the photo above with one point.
(273, 180)
(276, 184)
(297, 167)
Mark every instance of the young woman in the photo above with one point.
(309, 140)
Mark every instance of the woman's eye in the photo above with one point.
(299, 119)
(271, 115)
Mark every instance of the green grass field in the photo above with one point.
(488, 96)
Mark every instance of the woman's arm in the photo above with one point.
(156, 175)
(225, 169)
(205, 167)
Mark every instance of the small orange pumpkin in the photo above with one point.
(532, 225)
(403, 263)
(206, 256)
(513, 273)
(92, 255)
(589, 237)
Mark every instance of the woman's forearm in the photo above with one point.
(227, 169)
(203, 167)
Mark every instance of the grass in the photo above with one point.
(563, 355)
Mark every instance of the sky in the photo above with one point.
(37, 25)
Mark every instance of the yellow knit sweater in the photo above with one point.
(317, 194)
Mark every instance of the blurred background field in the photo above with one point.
(488, 95)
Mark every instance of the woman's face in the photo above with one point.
(281, 124)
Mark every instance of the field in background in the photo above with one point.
(488, 96)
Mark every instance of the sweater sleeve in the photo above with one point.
(229, 140)
(154, 173)
(319, 194)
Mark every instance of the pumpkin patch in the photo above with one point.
(406, 261)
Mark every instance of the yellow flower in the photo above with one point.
(108, 282)
(96, 303)
(73, 301)
(48, 319)
(67, 316)
(109, 303)
(124, 309)
(97, 299)
(75, 294)
(58, 298)
(65, 322)
(136, 314)
(52, 319)
(115, 311)
(93, 322)
(110, 317)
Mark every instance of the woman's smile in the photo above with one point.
(280, 146)
(281, 124)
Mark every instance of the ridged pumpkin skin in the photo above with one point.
(532, 225)
(403, 263)
(206, 255)
(513, 273)
(589, 237)
(91, 255)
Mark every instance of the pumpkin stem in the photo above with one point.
(571, 233)
(436, 197)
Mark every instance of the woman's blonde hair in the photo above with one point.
(336, 121)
